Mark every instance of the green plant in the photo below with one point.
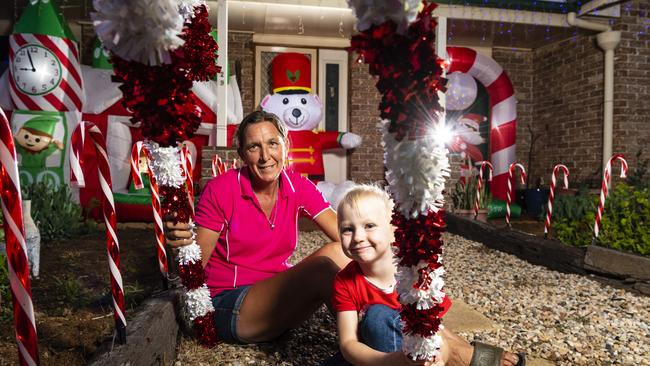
(626, 222)
(5, 297)
(464, 195)
(53, 210)
(637, 177)
(70, 291)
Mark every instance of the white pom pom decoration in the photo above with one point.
(416, 172)
(143, 30)
(421, 348)
(373, 12)
(166, 165)
(198, 302)
(189, 254)
(428, 294)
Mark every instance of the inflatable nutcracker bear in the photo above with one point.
(301, 111)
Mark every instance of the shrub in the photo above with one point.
(56, 216)
(625, 224)
(5, 296)
(464, 195)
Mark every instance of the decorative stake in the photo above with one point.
(138, 149)
(479, 183)
(77, 167)
(604, 188)
(511, 172)
(21, 291)
(551, 195)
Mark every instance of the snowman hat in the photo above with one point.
(41, 125)
(291, 72)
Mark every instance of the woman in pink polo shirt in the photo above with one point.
(247, 228)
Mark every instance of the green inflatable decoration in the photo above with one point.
(497, 208)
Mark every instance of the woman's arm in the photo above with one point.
(326, 221)
(179, 235)
(207, 241)
(360, 354)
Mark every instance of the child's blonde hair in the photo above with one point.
(362, 191)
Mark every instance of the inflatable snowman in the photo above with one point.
(301, 111)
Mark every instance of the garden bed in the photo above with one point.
(526, 241)
(71, 297)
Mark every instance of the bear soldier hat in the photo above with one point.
(291, 73)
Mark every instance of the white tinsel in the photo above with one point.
(189, 254)
(198, 302)
(186, 8)
(416, 172)
(423, 298)
(143, 30)
(373, 12)
(420, 348)
(166, 166)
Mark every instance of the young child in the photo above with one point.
(364, 297)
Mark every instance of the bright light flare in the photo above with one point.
(442, 132)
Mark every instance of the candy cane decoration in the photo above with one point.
(108, 206)
(187, 166)
(24, 322)
(479, 184)
(511, 172)
(235, 164)
(551, 194)
(604, 188)
(217, 166)
(138, 149)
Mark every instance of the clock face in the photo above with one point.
(36, 70)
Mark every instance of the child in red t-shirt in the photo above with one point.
(364, 295)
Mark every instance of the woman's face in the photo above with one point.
(264, 151)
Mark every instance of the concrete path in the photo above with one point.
(462, 318)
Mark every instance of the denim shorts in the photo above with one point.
(226, 312)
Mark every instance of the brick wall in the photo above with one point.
(240, 47)
(367, 161)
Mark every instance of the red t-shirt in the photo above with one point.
(353, 292)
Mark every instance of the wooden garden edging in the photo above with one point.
(151, 336)
(632, 270)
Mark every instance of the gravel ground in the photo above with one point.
(565, 318)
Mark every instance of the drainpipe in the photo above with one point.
(607, 40)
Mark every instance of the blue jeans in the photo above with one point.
(226, 312)
(380, 329)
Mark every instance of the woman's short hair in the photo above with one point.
(361, 191)
(257, 117)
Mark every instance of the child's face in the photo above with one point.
(32, 141)
(366, 232)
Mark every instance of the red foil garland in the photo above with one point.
(160, 102)
(408, 70)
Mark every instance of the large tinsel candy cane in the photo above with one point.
(509, 194)
(479, 184)
(108, 206)
(551, 194)
(24, 323)
(138, 149)
(604, 187)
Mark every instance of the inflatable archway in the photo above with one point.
(503, 110)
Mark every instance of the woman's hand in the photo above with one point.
(177, 235)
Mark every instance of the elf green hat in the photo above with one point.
(43, 17)
(44, 124)
(101, 56)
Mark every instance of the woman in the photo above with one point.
(247, 229)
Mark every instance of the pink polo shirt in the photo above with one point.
(251, 247)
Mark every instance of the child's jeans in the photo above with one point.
(380, 329)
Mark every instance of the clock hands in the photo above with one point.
(30, 61)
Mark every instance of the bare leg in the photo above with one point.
(285, 300)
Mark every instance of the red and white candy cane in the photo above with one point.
(187, 166)
(511, 174)
(605, 186)
(138, 149)
(24, 323)
(235, 164)
(479, 184)
(216, 166)
(551, 194)
(108, 206)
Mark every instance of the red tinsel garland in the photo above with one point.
(159, 99)
(408, 72)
